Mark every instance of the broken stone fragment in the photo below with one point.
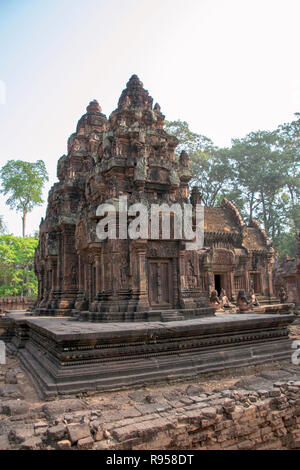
(78, 431)
(57, 433)
(65, 444)
(86, 443)
(20, 435)
(32, 443)
(99, 436)
(209, 412)
(40, 428)
(56, 408)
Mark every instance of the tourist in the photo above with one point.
(242, 302)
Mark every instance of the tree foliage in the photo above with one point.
(17, 275)
(23, 182)
(260, 174)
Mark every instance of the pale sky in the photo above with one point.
(227, 67)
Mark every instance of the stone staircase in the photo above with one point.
(171, 315)
(264, 300)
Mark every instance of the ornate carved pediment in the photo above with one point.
(222, 256)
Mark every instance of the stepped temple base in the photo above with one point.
(65, 357)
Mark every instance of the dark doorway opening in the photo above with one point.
(218, 283)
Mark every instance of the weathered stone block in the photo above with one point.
(14, 407)
(32, 443)
(57, 433)
(19, 435)
(85, 443)
(56, 408)
(78, 431)
(65, 444)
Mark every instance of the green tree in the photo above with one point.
(260, 174)
(23, 182)
(288, 143)
(17, 275)
(211, 167)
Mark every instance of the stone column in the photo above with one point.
(86, 284)
(59, 261)
(231, 284)
(39, 287)
(175, 280)
(89, 281)
(98, 273)
(54, 275)
(247, 281)
(182, 269)
(269, 275)
(102, 277)
(141, 246)
(80, 273)
(67, 235)
(211, 280)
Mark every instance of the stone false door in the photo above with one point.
(160, 286)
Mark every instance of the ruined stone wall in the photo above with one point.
(242, 421)
(15, 303)
(227, 420)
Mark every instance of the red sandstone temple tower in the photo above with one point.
(131, 155)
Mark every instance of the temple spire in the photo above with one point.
(94, 107)
(134, 95)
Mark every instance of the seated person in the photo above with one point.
(224, 299)
(242, 302)
(214, 300)
(253, 299)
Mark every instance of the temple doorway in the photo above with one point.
(160, 283)
(218, 283)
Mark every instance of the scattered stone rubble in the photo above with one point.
(258, 411)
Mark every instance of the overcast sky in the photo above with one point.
(227, 67)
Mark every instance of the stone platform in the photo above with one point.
(65, 357)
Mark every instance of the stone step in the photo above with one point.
(170, 315)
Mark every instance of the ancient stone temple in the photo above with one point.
(131, 155)
(287, 275)
(143, 302)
